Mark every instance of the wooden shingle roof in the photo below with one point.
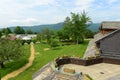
(110, 25)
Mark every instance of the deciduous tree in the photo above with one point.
(19, 30)
(29, 31)
(76, 26)
(0, 34)
(9, 50)
(47, 35)
(6, 31)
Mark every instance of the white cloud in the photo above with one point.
(111, 1)
(84, 4)
(20, 6)
(27, 21)
(80, 5)
(33, 3)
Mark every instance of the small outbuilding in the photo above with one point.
(26, 36)
(109, 45)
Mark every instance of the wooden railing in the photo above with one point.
(86, 62)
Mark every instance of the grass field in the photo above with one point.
(14, 65)
(42, 57)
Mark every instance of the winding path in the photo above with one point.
(16, 72)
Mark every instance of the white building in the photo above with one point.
(26, 36)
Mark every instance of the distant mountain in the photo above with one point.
(94, 27)
(38, 28)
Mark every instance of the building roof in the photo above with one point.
(108, 35)
(12, 38)
(26, 38)
(110, 25)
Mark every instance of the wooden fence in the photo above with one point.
(86, 62)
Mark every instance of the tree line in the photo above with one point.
(17, 30)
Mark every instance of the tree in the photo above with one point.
(62, 35)
(9, 50)
(52, 33)
(19, 30)
(39, 37)
(29, 31)
(0, 34)
(76, 26)
(6, 31)
(47, 35)
(89, 34)
(67, 28)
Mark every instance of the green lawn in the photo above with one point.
(14, 65)
(43, 57)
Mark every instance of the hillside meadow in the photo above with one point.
(43, 55)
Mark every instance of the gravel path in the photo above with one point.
(16, 72)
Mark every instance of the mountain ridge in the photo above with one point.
(38, 28)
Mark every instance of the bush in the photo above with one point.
(28, 41)
(25, 41)
(54, 44)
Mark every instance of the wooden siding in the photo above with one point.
(110, 46)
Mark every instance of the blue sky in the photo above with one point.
(36, 12)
